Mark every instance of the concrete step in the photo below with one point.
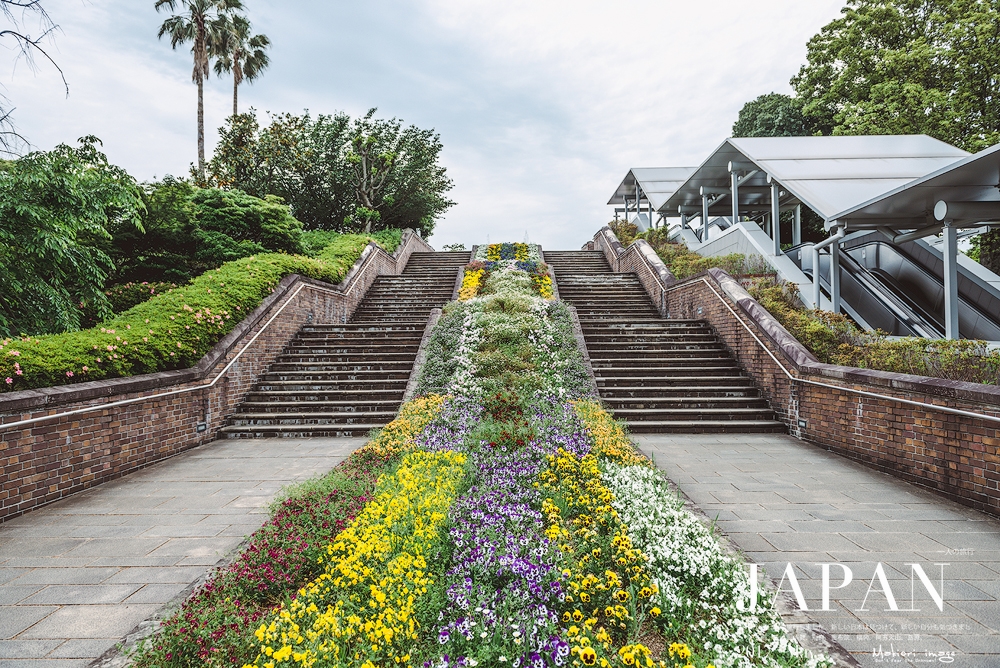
(344, 405)
(611, 394)
(311, 418)
(709, 427)
(325, 385)
(633, 415)
(299, 431)
(670, 404)
(327, 396)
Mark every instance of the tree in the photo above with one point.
(909, 66)
(313, 164)
(16, 13)
(199, 23)
(397, 181)
(772, 115)
(188, 230)
(57, 211)
(241, 54)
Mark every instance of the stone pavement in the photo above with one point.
(781, 501)
(78, 575)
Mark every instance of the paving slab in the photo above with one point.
(839, 511)
(78, 575)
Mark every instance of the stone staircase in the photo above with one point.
(347, 379)
(658, 374)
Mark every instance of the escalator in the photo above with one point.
(899, 289)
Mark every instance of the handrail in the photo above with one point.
(4, 427)
(793, 377)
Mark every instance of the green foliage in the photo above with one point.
(965, 360)
(311, 163)
(625, 231)
(904, 67)
(450, 248)
(188, 230)
(684, 263)
(835, 339)
(772, 115)
(821, 332)
(172, 330)
(56, 209)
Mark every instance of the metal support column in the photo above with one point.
(950, 280)
(797, 226)
(684, 221)
(704, 214)
(736, 196)
(835, 276)
(776, 217)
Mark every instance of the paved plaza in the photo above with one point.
(79, 575)
(783, 501)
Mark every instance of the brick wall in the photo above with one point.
(105, 429)
(932, 432)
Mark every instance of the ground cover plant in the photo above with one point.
(835, 339)
(172, 329)
(510, 522)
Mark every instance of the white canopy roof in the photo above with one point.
(656, 183)
(827, 174)
(975, 178)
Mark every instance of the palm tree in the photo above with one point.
(197, 23)
(237, 52)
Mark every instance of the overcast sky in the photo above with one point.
(542, 106)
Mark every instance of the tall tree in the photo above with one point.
(318, 165)
(58, 210)
(240, 53)
(772, 115)
(909, 67)
(198, 23)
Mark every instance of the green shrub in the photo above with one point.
(188, 230)
(173, 330)
(684, 263)
(835, 339)
(316, 242)
(625, 231)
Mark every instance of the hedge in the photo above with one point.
(173, 330)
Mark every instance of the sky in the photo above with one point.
(542, 106)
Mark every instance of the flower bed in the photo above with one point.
(512, 523)
(172, 329)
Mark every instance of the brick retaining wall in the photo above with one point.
(168, 412)
(858, 413)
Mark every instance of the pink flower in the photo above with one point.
(9, 380)
(69, 374)
(86, 369)
(98, 360)
(18, 372)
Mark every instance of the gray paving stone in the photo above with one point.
(157, 593)
(11, 594)
(71, 575)
(83, 649)
(152, 574)
(82, 594)
(15, 619)
(46, 663)
(90, 621)
(26, 649)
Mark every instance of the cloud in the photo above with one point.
(541, 105)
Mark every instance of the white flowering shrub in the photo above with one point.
(704, 591)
